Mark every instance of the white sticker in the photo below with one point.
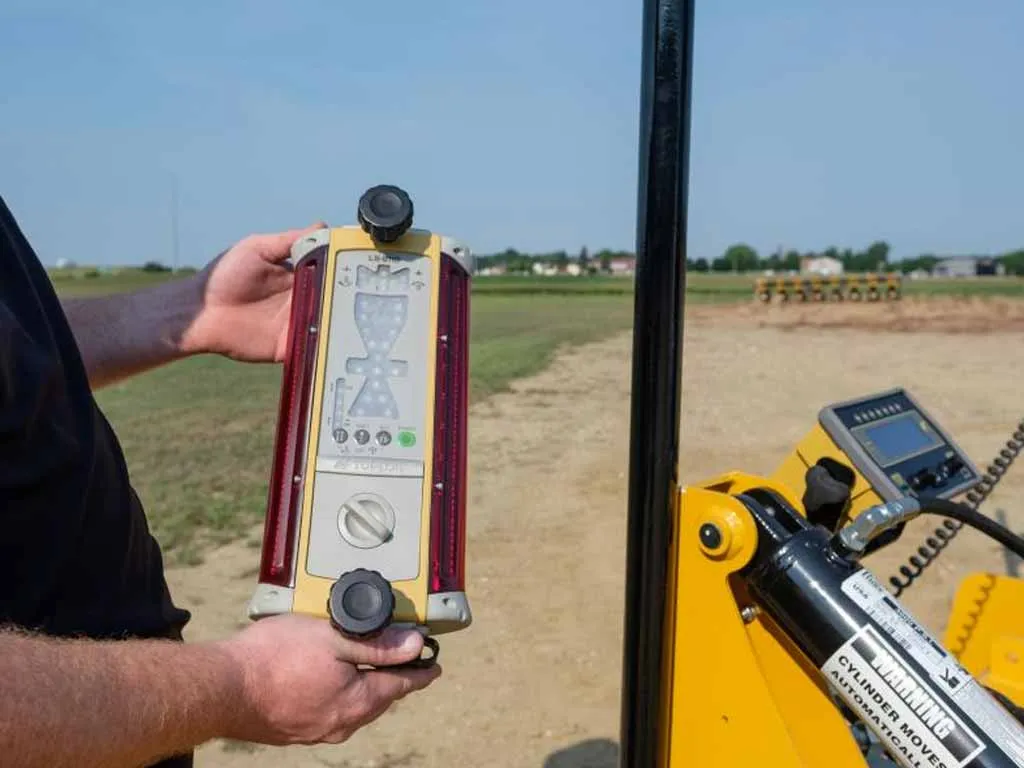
(992, 718)
(906, 713)
(941, 666)
(902, 628)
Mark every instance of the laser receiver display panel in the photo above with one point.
(899, 448)
(367, 502)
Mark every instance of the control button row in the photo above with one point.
(406, 439)
(870, 414)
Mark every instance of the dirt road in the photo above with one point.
(535, 681)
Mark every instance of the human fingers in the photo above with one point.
(277, 246)
(392, 646)
(377, 691)
(381, 688)
(388, 685)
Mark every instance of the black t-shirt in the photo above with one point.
(76, 554)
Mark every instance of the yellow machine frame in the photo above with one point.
(761, 701)
(985, 631)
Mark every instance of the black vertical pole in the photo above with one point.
(657, 365)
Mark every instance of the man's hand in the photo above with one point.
(245, 299)
(302, 685)
(284, 680)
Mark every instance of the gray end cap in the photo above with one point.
(270, 600)
(461, 253)
(308, 244)
(448, 612)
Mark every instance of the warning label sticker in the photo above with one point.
(901, 627)
(941, 666)
(908, 715)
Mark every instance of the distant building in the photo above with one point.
(496, 269)
(821, 265)
(622, 265)
(968, 266)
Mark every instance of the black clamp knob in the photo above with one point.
(827, 491)
(385, 212)
(361, 603)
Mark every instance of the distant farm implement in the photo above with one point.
(822, 288)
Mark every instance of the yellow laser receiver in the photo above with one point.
(366, 507)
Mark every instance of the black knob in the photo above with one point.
(827, 491)
(361, 603)
(924, 479)
(385, 212)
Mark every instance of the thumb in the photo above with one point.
(392, 646)
(277, 246)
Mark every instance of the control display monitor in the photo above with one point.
(898, 438)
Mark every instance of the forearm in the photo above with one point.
(126, 334)
(97, 704)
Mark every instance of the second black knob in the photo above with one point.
(385, 212)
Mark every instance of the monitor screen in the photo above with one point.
(895, 439)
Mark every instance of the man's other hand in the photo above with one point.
(245, 299)
(302, 683)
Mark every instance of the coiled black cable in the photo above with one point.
(941, 537)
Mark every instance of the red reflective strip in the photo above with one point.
(448, 502)
(300, 358)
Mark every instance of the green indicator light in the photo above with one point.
(406, 439)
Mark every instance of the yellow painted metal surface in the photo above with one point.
(311, 592)
(739, 693)
(815, 445)
(985, 631)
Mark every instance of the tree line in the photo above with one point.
(742, 257)
(517, 261)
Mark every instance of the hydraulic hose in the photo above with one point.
(969, 516)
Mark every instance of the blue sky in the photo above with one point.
(511, 123)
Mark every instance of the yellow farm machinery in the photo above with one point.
(821, 288)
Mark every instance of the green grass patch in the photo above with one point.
(198, 434)
(975, 287)
(555, 285)
(515, 336)
(700, 287)
(84, 281)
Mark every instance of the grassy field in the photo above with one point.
(977, 287)
(700, 287)
(198, 435)
(78, 282)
